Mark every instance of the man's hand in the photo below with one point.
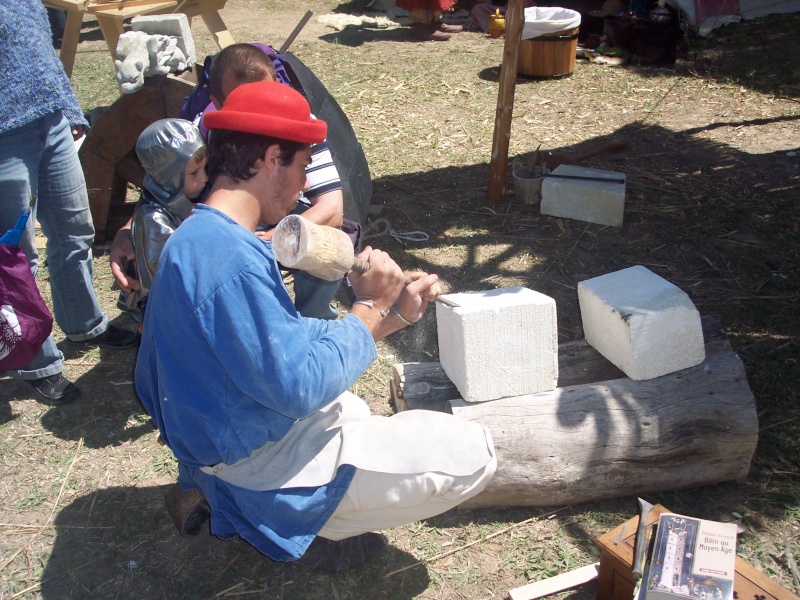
(413, 300)
(380, 286)
(411, 304)
(120, 256)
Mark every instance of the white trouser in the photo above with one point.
(410, 466)
(381, 500)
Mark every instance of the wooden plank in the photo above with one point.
(498, 166)
(107, 154)
(131, 8)
(112, 28)
(748, 582)
(553, 585)
(78, 5)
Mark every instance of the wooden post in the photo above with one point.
(498, 167)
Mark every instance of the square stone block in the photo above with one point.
(641, 322)
(584, 194)
(499, 343)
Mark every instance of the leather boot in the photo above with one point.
(429, 33)
(447, 28)
(189, 510)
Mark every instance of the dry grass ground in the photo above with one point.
(713, 181)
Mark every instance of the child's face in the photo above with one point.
(194, 178)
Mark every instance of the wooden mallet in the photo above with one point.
(322, 251)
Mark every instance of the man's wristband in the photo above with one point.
(371, 304)
(396, 313)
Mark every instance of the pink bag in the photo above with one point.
(25, 321)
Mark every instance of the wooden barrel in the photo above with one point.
(549, 55)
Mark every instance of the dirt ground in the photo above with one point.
(712, 163)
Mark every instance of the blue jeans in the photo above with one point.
(39, 159)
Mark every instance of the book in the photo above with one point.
(691, 558)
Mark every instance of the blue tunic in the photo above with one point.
(227, 364)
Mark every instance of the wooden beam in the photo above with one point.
(554, 585)
(218, 29)
(69, 40)
(498, 167)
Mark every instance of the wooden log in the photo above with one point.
(618, 437)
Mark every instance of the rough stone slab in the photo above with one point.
(176, 25)
(601, 202)
(499, 343)
(641, 323)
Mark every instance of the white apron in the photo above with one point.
(345, 433)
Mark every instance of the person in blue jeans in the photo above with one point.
(39, 122)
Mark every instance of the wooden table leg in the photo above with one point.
(112, 29)
(217, 28)
(498, 167)
(69, 41)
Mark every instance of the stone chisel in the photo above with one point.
(642, 541)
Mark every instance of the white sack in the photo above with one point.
(540, 20)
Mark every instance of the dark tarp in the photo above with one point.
(348, 155)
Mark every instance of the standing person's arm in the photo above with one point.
(120, 256)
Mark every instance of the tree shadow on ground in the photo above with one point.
(120, 543)
(719, 223)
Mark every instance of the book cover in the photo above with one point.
(691, 558)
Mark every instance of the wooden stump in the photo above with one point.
(589, 440)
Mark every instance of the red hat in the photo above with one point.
(268, 108)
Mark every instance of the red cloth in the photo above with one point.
(425, 4)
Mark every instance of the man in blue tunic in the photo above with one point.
(252, 398)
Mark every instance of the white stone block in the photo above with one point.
(499, 343)
(641, 322)
(589, 200)
(176, 26)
